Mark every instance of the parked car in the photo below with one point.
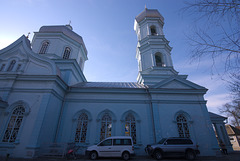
(116, 146)
(173, 147)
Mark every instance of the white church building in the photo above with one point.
(45, 98)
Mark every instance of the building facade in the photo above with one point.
(46, 99)
(234, 135)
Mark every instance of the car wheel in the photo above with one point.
(125, 155)
(190, 155)
(93, 155)
(158, 155)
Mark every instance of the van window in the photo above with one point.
(122, 142)
(187, 141)
(107, 142)
(127, 142)
(117, 142)
(173, 141)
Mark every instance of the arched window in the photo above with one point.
(2, 67)
(81, 130)
(13, 62)
(14, 124)
(130, 127)
(44, 47)
(106, 126)
(153, 30)
(182, 125)
(158, 59)
(18, 67)
(66, 53)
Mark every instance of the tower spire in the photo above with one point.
(154, 53)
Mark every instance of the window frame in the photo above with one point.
(11, 65)
(66, 52)
(3, 66)
(153, 28)
(105, 123)
(75, 122)
(7, 118)
(44, 47)
(183, 126)
(131, 122)
(14, 125)
(82, 133)
(104, 141)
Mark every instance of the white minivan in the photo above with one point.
(115, 146)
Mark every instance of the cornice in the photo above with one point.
(108, 90)
(134, 101)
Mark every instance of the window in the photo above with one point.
(18, 67)
(107, 142)
(182, 125)
(153, 30)
(122, 142)
(13, 62)
(2, 67)
(106, 126)
(44, 47)
(158, 60)
(173, 141)
(81, 130)
(130, 127)
(14, 124)
(66, 53)
(179, 141)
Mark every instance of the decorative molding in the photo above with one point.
(77, 114)
(189, 119)
(20, 102)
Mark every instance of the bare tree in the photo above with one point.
(234, 86)
(233, 111)
(217, 34)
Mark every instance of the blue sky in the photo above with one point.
(107, 30)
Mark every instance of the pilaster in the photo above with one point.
(34, 142)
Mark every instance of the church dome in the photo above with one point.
(152, 13)
(66, 30)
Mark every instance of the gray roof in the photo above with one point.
(108, 85)
(213, 115)
(149, 13)
(232, 130)
(65, 30)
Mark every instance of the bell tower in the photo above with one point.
(153, 51)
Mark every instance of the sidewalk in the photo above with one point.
(235, 156)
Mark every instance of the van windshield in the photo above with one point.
(162, 141)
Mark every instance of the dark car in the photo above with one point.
(173, 147)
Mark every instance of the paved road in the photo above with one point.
(231, 157)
